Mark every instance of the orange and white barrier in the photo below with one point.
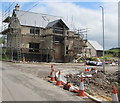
(53, 75)
(114, 95)
(81, 88)
(59, 80)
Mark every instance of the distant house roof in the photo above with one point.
(35, 19)
(95, 44)
(51, 24)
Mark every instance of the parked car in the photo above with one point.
(94, 63)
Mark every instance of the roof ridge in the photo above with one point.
(40, 13)
(35, 19)
(54, 20)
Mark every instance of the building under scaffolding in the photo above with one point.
(41, 37)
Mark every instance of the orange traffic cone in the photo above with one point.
(52, 75)
(86, 69)
(68, 86)
(73, 90)
(23, 60)
(114, 94)
(52, 66)
(81, 88)
(59, 82)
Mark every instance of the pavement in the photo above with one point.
(21, 86)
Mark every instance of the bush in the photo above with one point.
(93, 59)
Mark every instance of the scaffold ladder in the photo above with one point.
(18, 38)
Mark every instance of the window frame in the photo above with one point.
(34, 30)
(34, 47)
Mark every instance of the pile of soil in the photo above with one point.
(99, 84)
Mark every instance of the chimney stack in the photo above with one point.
(17, 7)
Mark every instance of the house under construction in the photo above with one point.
(41, 37)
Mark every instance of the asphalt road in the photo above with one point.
(21, 86)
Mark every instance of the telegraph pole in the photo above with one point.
(103, 37)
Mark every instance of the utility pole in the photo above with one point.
(103, 37)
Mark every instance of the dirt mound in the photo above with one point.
(98, 84)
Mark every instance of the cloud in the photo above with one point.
(82, 17)
(60, 1)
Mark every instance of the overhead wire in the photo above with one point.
(35, 23)
(31, 8)
(8, 9)
(3, 15)
(10, 6)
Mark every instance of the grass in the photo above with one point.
(109, 57)
(4, 58)
(113, 51)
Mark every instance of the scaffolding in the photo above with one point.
(11, 32)
(50, 45)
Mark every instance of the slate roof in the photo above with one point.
(95, 44)
(35, 19)
(51, 24)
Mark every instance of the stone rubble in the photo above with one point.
(99, 84)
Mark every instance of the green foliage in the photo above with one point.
(4, 57)
(112, 52)
(105, 58)
(3, 50)
(93, 58)
(2, 39)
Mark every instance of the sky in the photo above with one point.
(79, 14)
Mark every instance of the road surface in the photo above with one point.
(21, 86)
(24, 82)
